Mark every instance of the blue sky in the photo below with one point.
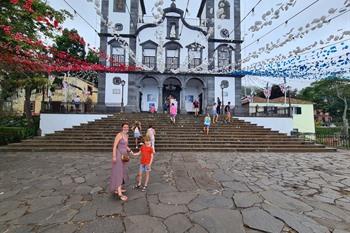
(319, 9)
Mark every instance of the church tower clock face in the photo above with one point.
(224, 33)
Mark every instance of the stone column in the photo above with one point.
(160, 99)
(237, 36)
(101, 106)
(182, 97)
(205, 100)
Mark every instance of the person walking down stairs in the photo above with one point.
(207, 122)
(214, 113)
(137, 132)
(173, 113)
(196, 107)
(228, 113)
(151, 132)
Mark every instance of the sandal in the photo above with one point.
(144, 188)
(122, 197)
(137, 186)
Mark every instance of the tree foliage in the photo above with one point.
(23, 23)
(331, 95)
(71, 42)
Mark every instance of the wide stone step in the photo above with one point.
(185, 149)
(166, 145)
(186, 135)
(166, 140)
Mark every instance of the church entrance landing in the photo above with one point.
(172, 87)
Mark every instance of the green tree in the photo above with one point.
(92, 57)
(331, 95)
(72, 43)
(23, 24)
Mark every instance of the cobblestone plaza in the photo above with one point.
(188, 192)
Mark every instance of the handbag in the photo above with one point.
(125, 158)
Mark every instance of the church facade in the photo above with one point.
(183, 52)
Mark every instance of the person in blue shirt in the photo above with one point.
(207, 121)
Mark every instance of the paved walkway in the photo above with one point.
(189, 192)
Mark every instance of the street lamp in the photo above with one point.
(122, 104)
(119, 81)
(224, 84)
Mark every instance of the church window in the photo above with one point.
(172, 58)
(118, 56)
(149, 58)
(172, 55)
(224, 56)
(149, 54)
(194, 54)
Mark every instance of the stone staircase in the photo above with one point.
(185, 135)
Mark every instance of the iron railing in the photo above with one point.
(263, 111)
(331, 140)
(67, 107)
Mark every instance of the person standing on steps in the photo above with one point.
(119, 174)
(137, 132)
(207, 122)
(151, 133)
(173, 113)
(228, 113)
(218, 106)
(196, 107)
(214, 113)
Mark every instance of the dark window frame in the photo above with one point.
(117, 58)
(149, 45)
(222, 49)
(172, 62)
(147, 60)
(297, 110)
(195, 62)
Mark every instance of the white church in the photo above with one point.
(184, 50)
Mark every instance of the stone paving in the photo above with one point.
(189, 192)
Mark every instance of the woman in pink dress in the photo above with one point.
(173, 112)
(119, 168)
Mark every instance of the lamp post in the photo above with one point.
(122, 104)
(119, 81)
(222, 97)
(224, 84)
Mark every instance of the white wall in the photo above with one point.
(149, 90)
(49, 123)
(230, 90)
(282, 125)
(304, 122)
(115, 99)
(224, 23)
(119, 17)
(193, 91)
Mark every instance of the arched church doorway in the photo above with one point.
(194, 90)
(148, 96)
(172, 87)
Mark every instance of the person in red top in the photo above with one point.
(146, 160)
